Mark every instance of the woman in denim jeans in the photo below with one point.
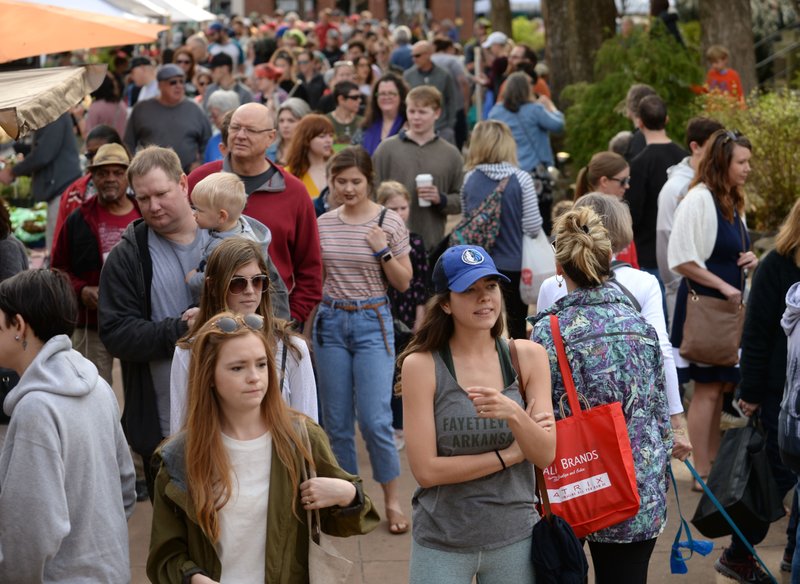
(363, 247)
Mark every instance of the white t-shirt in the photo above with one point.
(242, 545)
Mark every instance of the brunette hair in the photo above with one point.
(352, 157)
(602, 164)
(700, 129)
(636, 93)
(583, 248)
(787, 242)
(365, 57)
(714, 167)
(491, 143)
(155, 157)
(373, 113)
(5, 220)
(653, 112)
(307, 129)
(187, 52)
(615, 215)
(208, 467)
(44, 299)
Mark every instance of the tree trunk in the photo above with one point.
(574, 31)
(501, 16)
(729, 23)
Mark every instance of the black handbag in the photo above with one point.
(557, 554)
(8, 380)
(741, 479)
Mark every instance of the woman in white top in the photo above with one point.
(236, 280)
(230, 505)
(642, 289)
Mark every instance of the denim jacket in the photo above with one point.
(615, 356)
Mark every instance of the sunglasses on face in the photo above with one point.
(623, 182)
(183, 62)
(229, 325)
(174, 82)
(238, 285)
(353, 97)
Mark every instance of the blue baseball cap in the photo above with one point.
(461, 266)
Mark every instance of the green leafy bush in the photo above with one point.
(529, 31)
(595, 113)
(770, 122)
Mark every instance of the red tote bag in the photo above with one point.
(592, 481)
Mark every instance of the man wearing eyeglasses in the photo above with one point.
(277, 199)
(426, 72)
(171, 121)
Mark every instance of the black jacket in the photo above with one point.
(763, 362)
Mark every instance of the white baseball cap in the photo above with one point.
(496, 38)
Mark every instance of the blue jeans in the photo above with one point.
(354, 348)
(511, 563)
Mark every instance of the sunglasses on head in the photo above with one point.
(238, 285)
(732, 136)
(230, 325)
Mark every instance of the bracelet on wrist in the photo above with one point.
(500, 458)
(378, 254)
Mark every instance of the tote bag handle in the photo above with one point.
(563, 365)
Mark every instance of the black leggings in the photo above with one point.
(516, 310)
(621, 563)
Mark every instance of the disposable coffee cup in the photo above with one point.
(424, 180)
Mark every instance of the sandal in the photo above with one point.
(398, 523)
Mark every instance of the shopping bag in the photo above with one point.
(538, 264)
(592, 481)
(742, 481)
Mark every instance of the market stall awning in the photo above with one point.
(28, 30)
(33, 98)
(177, 10)
(96, 6)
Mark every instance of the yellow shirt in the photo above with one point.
(311, 186)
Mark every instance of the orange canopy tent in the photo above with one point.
(28, 30)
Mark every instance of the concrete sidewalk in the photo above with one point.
(382, 558)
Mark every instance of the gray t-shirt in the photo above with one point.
(170, 297)
(485, 513)
(184, 128)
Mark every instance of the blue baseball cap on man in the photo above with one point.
(461, 266)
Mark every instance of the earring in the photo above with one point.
(16, 338)
(560, 280)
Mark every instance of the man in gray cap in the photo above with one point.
(171, 121)
(143, 75)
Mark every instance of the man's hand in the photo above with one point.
(89, 296)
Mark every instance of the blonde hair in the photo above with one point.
(787, 242)
(583, 249)
(491, 143)
(221, 190)
(425, 96)
(559, 209)
(615, 215)
(716, 52)
(389, 189)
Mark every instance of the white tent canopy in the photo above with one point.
(96, 6)
(176, 10)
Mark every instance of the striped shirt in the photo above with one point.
(351, 271)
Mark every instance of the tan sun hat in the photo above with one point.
(110, 154)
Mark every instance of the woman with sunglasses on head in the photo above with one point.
(710, 247)
(364, 249)
(614, 356)
(469, 438)
(230, 504)
(608, 173)
(237, 279)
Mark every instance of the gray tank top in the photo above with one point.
(485, 513)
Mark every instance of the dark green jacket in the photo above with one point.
(179, 548)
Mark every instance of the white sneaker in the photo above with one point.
(399, 440)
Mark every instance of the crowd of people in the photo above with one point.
(260, 239)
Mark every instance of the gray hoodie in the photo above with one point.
(789, 417)
(66, 475)
(676, 187)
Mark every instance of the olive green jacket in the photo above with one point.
(180, 549)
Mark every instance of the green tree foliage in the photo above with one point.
(528, 31)
(595, 111)
(770, 123)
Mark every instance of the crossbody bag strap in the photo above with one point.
(744, 250)
(541, 489)
(308, 472)
(563, 365)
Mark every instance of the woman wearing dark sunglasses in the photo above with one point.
(230, 503)
(184, 59)
(608, 173)
(236, 280)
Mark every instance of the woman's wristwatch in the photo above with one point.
(387, 256)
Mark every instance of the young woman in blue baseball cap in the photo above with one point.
(471, 443)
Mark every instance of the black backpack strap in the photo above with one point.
(617, 284)
(382, 217)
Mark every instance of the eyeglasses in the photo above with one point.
(228, 325)
(201, 83)
(416, 55)
(338, 64)
(353, 97)
(174, 82)
(238, 284)
(303, 62)
(183, 62)
(388, 94)
(624, 182)
(235, 129)
(732, 136)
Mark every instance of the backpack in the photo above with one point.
(612, 280)
(482, 226)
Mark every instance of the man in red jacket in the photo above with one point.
(279, 201)
(85, 240)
